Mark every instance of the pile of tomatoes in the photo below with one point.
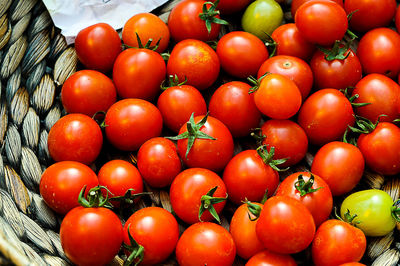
(295, 86)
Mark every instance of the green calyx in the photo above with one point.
(352, 98)
(337, 52)
(136, 251)
(267, 158)
(207, 203)
(129, 196)
(396, 211)
(258, 135)
(209, 15)
(94, 198)
(253, 209)
(146, 46)
(173, 81)
(364, 125)
(305, 187)
(256, 82)
(348, 218)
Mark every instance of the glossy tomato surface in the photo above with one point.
(267, 257)
(231, 6)
(297, 3)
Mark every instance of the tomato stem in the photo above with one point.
(209, 15)
(207, 202)
(173, 81)
(256, 82)
(253, 209)
(396, 211)
(136, 251)
(305, 187)
(94, 198)
(267, 158)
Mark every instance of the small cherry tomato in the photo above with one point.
(231, 6)
(297, 3)
(267, 257)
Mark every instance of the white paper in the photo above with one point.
(71, 16)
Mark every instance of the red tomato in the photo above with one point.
(288, 138)
(98, 46)
(130, 122)
(321, 22)
(397, 19)
(195, 61)
(147, 26)
(75, 137)
(231, 6)
(337, 242)
(62, 182)
(325, 116)
(267, 257)
(138, 73)
(378, 51)
(285, 225)
(205, 244)
(187, 189)
(292, 67)
(234, 98)
(352, 264)
(156, 230)
(88, 92)
(340, 164)
(84, 238)
(297, 3)
(158, 162)
(238, 49)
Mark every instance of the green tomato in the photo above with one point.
(373, 208)
(261, 17)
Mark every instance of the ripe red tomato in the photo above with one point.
(321, 22)
(195, 61)
(340, 164)
(352, 264)
(325, 116)
(205, 244)
(98, 46)
(187, 189)
(292, 67)
(338, 242)
(267, 257)
(158, 162)
(231, 6)
(239, 48)
(138, 73)
(156, 230)
(397, 20)
(130, 122)
(297, 3)
(234, 98)
(88, 92)
(91, 236)
(285, 225)
(378, 51)
(75, 137)
(62, 182)
(147, 26)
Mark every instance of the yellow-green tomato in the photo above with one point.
(373, 208)
(261, 17)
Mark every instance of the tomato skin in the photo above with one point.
(196, 61)
(205, 244)
(397, 20)
(84, 240)
(285, 225)
(267, 257)
(381, 148)
(239, 48)
(340, 165)
(62, 182)
(186, 191)
(147, 26)
(75, 137)
(131, 122)
(337, 242)
(297, 3)
(247, 176)
(98, 46)
(234, 98)
(156, 230)
(352, 264)
(231, 6)
(158, 162)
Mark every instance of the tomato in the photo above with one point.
(62, 182)
(84, 238)
(231, 6)
(325, 115)
(340, 165)
(195, 61)
(370, 14)
(397, 20)
(156, 230)
(158, 162)
(187, 189)
(130, 122)
(337, 242)
(267, 257)
(88, 92)
(98, 46)
(262, 17)
(292, 67)
(147, 26)
(373, 208)
(321, 22)
(177, 103)
(288, 138)
(378, 51)
(382, 94)
(138, 73)
(381, 148)
(352, 264)
(239, 48)
(297, 3)
(205, 244)
(285, 225)
(277, 97)
(234, 98)
(75, 137)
